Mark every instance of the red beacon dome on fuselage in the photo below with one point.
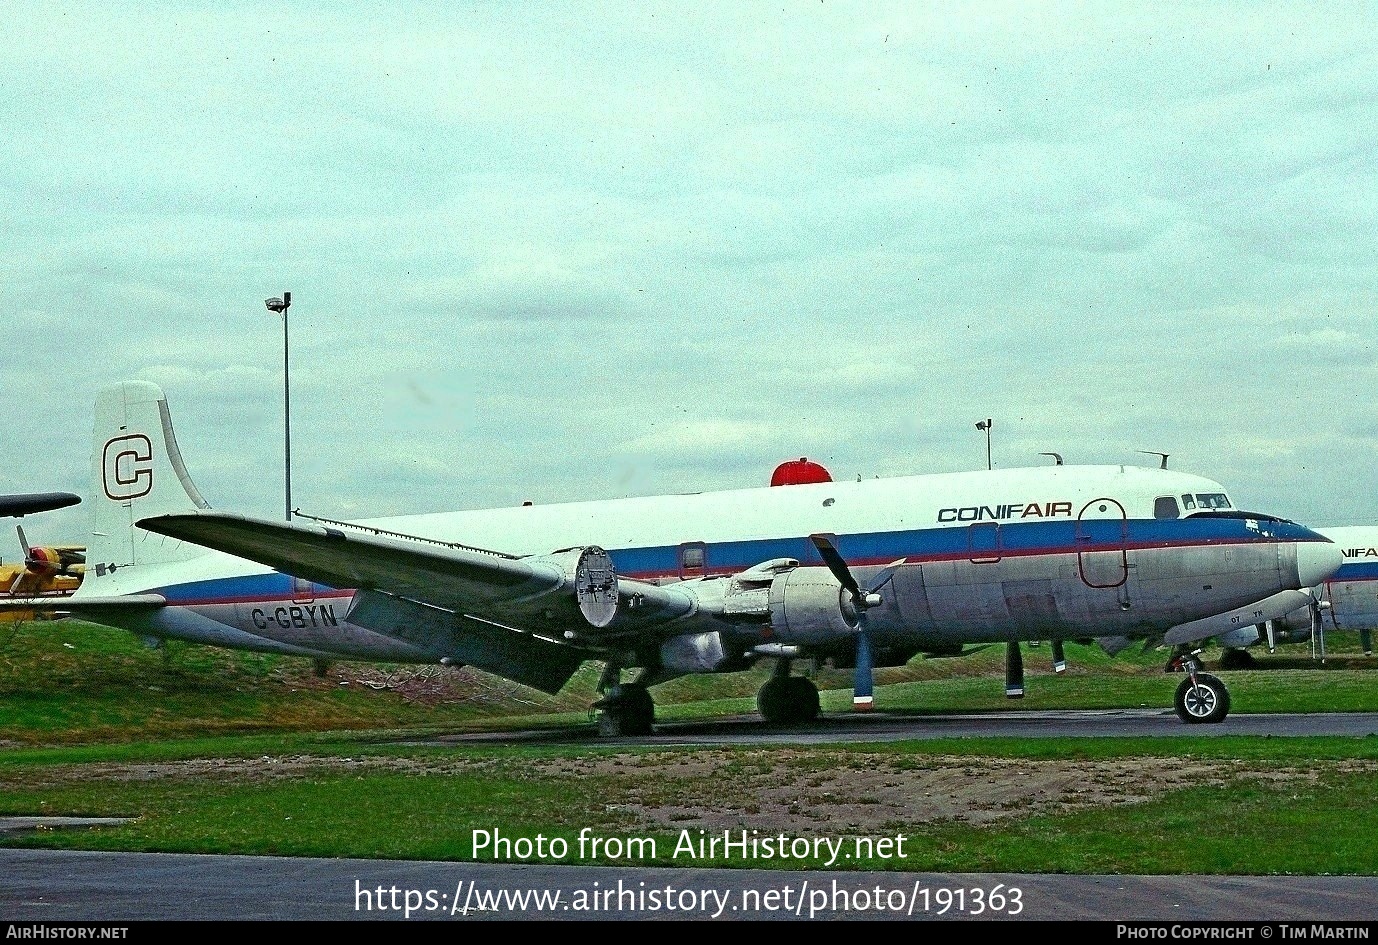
(797, 472)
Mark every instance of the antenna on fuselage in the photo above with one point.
(1163, 464)
(1057, 458)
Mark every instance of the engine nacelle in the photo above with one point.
(809, 605)
(1240, 637)
(591, 574)
(801, 605)
(587, 579)
(595, 587)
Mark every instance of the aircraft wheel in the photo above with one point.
(637, 709)
(627, 710)
(788, 701)
(772, 701)
(803, 699)
(1207, 700)
(1237, 659)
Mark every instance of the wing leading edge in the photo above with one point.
(533, 619)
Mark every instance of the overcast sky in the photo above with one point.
(557, 251)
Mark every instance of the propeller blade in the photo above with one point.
(863, 683)
(28, 552)
(836, 565)
(863, 677)
(1059, 658)
(886, 574)
(1366, 641)
(1317, 628)
(14, 586)
(1014, 670)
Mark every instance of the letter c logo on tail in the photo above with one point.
(127, 468)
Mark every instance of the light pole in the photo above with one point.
(985, 425)
(280, 306)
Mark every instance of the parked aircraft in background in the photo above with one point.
(53, 570)
(46, 569)
(1347, 601)
(860, 574)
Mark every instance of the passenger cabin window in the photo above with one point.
(1165, 506)
(692, 557)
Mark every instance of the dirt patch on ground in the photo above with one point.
(771, 791)
(783, 791)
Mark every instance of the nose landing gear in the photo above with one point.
(1201, 698)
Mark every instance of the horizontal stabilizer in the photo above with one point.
(77, 605)
(31, 502)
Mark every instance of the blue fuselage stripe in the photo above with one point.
(1356, 571)
(982, 541)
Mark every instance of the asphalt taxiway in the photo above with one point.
(48, 886)
(45, 886)
(901, 726)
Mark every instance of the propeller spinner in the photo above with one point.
(854, 606)
(45, 562)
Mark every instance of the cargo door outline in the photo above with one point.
(983, 543)
(692, 560)
(302, 591)
(1106, 566)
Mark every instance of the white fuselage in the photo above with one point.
(1043, 553)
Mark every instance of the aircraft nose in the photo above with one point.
(1317, 561)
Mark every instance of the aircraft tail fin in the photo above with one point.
(136, 471)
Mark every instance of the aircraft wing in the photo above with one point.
(505, 614)
(27, 503)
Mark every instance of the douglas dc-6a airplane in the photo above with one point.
(860, 573)
(1346, 601)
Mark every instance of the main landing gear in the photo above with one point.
(786, 699)
(1235, 658)
(626, 708)
(1201, 698)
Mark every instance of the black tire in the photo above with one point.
(773, 701)
(1237, 659)
(1205, 702)
(803, 699)
(792, 700)
(637, 710)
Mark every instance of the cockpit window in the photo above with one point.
(1188, 503)
(1212, 500)
(1165, 507)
